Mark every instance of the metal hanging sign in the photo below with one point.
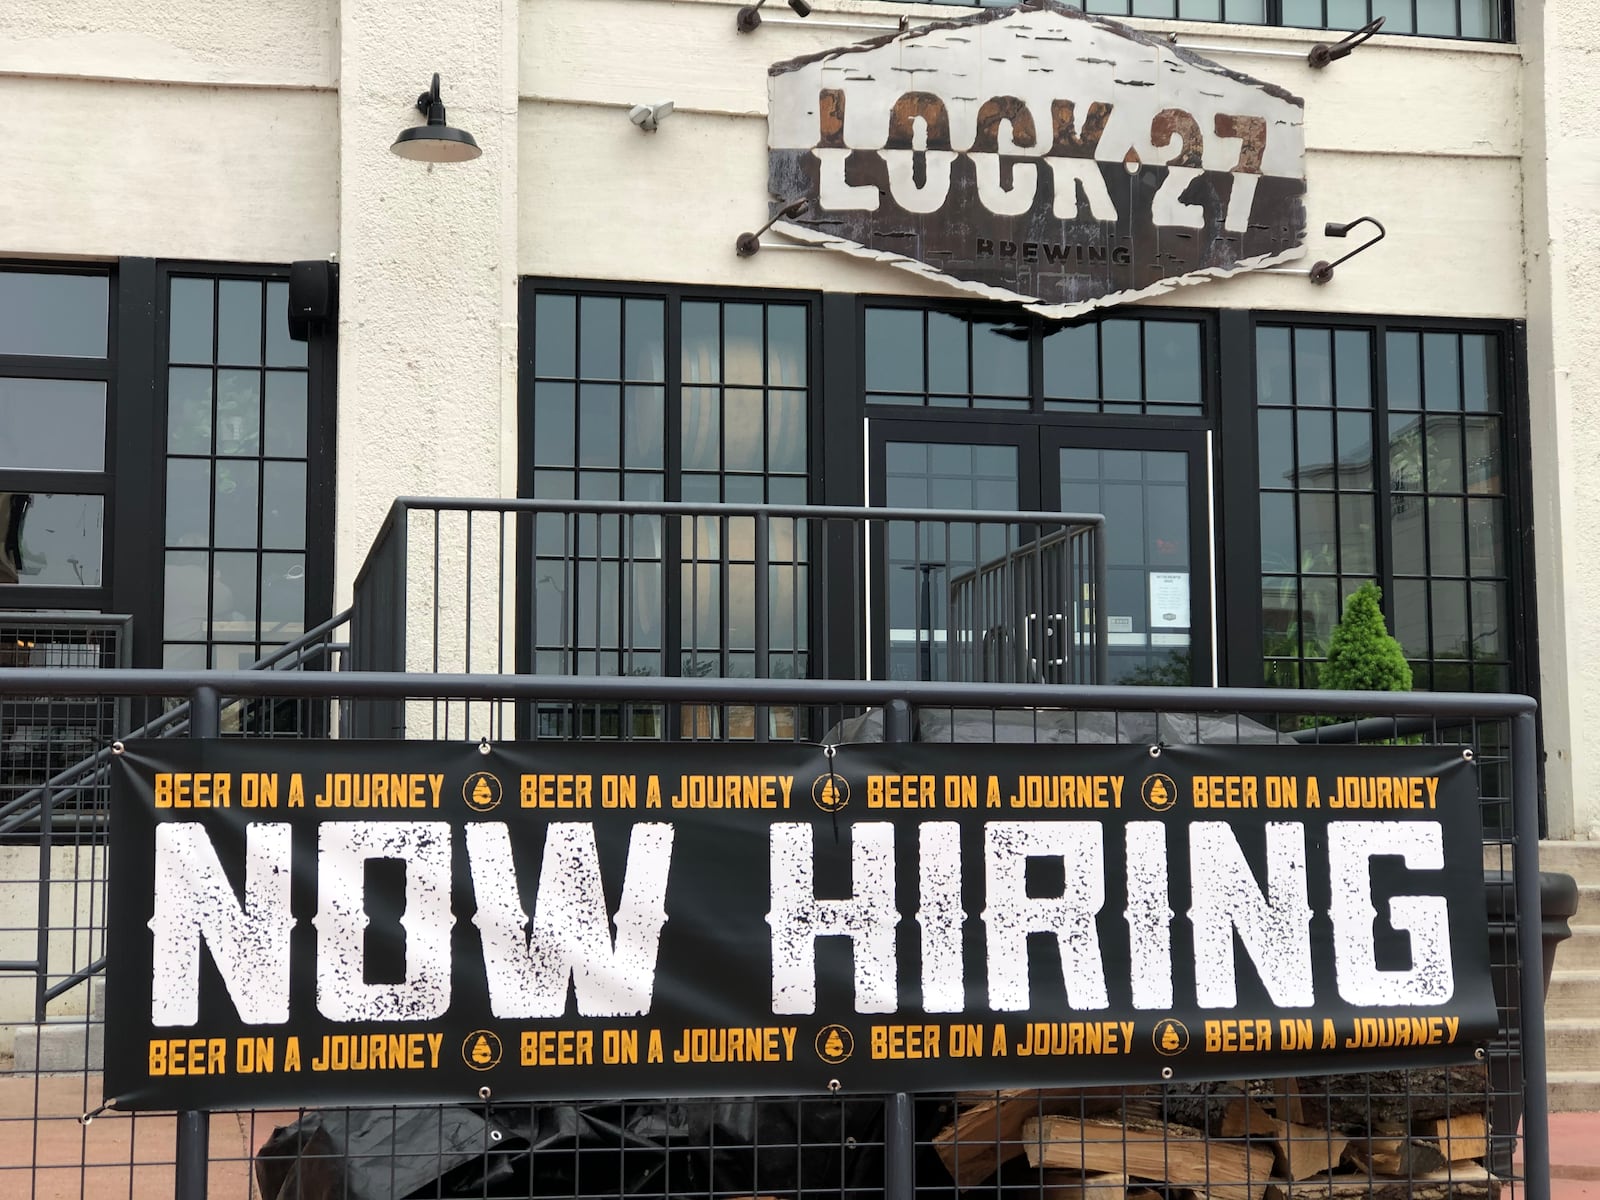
(1038, 154)
(350, 922)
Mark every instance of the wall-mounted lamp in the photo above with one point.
(750, 15)
(1323, 271)
(749, 243)
(648, 116)
(435, 141)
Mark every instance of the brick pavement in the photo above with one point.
(121, 1155)
(1575, 1156)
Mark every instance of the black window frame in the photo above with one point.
(1273, 18)
(321, 443)
(103, 483)
(840, 412)
(141, 483)
(672, 297)
(1238, 492)
(1036, 410)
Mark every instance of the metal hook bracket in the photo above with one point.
(1324, 53)
(750, 243)
(1323, 271)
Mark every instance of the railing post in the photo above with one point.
(898, 722)
(1102, 624)
(194, 1128)
(899, 1131)
(1530, 950)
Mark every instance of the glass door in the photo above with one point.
(946, 465)
(1149, 483)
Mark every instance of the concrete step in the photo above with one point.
(1573, 994)
(1574, 1091)
(1581, 860)
(1580, 952)
(60, 1044)
(1574, 1042)
(1588, 904)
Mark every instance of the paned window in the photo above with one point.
(1120, 366)
(667, 397)
(55, 470)
(1477, 19)
(236, 487)
(1381, 454)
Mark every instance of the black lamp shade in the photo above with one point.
(436, 143)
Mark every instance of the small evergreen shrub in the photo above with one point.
(1362, 655)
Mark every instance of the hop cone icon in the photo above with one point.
(480, 1050)
(834, 1045)
(1169, 1039)
(482, 797)
(1158, 795)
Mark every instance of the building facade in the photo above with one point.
(568, 316)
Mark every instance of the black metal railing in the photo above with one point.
(72, 776)
(1183, 1138)
(652, 589)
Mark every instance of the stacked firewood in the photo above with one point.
(1406, 1138)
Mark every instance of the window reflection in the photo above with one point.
(236, 469)
(51, 540)
(951, 360)
(51, 315)
(53, 424)
(728, 405)
(1324, 452)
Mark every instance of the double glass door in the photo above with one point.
(1151, 486)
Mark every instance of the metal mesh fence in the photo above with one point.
(1418, 1133)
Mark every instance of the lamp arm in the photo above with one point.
(430, 97)
(1322, 53)
(1323, 271)
(747, 244)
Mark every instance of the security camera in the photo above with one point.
(648, 116)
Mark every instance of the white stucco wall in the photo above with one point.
(189, 129)
(428, 314)
(171, 128)
(1561, 43)
(77, 899)
(1422, 134)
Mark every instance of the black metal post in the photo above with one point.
(194, 1156)
(925, 620)
(899, 1143)
(898, 721)
(194, 1128)
(899, 1131)
(1525, 858)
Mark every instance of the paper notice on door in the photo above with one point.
(1169, 599)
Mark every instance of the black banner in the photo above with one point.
(349, 922)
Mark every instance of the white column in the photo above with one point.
(1561, 180)
(428, 312)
